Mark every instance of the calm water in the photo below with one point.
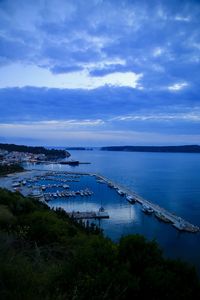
(169, 179)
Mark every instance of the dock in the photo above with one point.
(88, 215)
(176, 221)
(64, 162)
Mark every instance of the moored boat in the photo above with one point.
(179, 225)
(102, 213)
(100, 181)
(110, 185)
(16, 184)
(65, 186)
(121, 193)
(147, 209)
(36, 194)
(130, 199)
(162, 217)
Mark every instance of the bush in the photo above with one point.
(46, 255)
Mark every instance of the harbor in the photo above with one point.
(49, 186)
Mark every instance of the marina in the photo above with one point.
(63, 191)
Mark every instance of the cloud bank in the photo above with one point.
(102, 67)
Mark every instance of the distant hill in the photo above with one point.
(173, 149)
(50, 153)
(79, 148)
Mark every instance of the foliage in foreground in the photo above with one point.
(46, 255)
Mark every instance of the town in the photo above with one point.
(11, 154)
(16, 157)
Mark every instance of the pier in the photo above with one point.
(88, 215)
(64, 162)
(166, 216)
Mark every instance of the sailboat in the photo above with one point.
(102, 213)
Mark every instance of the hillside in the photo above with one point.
(173, 149)
(46, 255)
(50, 153)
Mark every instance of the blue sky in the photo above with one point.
(99, 72)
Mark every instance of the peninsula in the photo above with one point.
(173, 149)
(49, 153)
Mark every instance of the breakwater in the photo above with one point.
(163, 214)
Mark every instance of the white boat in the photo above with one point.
(130, 199)
(100, 181)
(147, 209)
(102, 213)
(65, 186)
(36, 194)
(16, 184)
(121, 193)
(110, 185)
(178, 225)
(162, 217)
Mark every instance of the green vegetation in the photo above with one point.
(50, 153)
(7, 169)
(46, 255)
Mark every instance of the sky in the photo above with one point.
(100, 72)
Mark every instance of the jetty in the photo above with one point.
(62, 162)
(166, 216)
(88, 215)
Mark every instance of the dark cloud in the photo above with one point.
(34, 104)
(158, 39)
(74, 33)
(110, 69)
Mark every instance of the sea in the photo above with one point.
(171, 180)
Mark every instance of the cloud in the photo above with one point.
(182, 18)
(178, 86)
(69, 123)
(184, 116)
(94, 138)
(39, 104)
(68, 37)
(39, 77)
(157, 51)
(70, 64)
(126, 79)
